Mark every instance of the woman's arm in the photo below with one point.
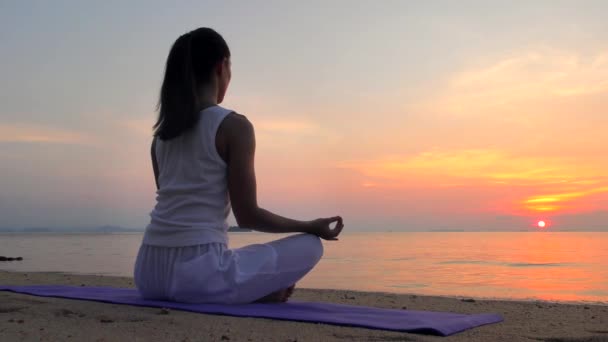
(239, 153)
(154, 162)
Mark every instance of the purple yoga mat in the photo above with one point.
(423, 322)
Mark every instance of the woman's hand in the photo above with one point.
(321, 227)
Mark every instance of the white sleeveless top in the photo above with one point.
(192, 202)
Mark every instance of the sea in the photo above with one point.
(543, 265)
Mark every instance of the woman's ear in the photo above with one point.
(219, 68)
(223, 66)
(225, 72)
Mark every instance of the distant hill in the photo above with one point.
(101, 229)
(115, 229)
(36, 230)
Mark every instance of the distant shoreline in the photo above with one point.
(102, 229)
(244, 230)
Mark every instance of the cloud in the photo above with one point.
(28, 133)
(540, 184)
(563, 200)
(525, 83)
(287, 126)
(289, 134)
(491, 165)
(141, 127)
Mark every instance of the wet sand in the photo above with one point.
(30, 318)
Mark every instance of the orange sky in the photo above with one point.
(483, 118)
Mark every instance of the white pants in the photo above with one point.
(212, 273)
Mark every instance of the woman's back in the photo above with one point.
(192, 200)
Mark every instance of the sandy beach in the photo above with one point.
(30, 318)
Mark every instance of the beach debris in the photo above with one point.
(346, 296)
(65, 313)
(21, 321)
(404, 308)
(225, 338)
(164, 311)
(5, 258)
(11, 309)
(587, 308)
(468, 300)
(106, 320)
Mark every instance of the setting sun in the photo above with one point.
(541, 224)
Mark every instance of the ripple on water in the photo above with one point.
(539, 264)
(595, 292)
(507, 264)
(468, 262)
(409, 286)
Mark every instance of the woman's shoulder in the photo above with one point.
(235, 116)
(236, 131)
(237, 122)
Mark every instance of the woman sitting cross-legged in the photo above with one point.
(203, 162)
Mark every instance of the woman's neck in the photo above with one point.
(207, 97)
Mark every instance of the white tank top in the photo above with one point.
(192, 202)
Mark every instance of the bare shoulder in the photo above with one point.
(237, 124)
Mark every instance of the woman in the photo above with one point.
(203, 162)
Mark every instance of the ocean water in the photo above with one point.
(555, 266)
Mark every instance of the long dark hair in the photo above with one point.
(190, 64)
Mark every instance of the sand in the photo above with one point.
(30, 318)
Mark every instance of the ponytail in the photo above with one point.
(190, 65)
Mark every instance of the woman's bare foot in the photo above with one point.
(280, 296)
(290, 291)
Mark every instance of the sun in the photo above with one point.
(541, 224)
